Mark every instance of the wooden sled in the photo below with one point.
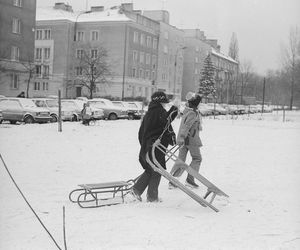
(211, 188)
(101, 194)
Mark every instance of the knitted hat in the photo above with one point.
(193, 99)
(159, 96)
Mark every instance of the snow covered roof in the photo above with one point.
(109, 15)
(214, 52)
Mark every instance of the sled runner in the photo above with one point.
(211, 188)
(101, 194)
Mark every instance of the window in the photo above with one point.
(147, 74)
(47, 34)
(153, 61)
(153, 75)
(154, 43)
(165, 60)
(135, 56)
(46, 69)
(38, 53)
(148, 58)
(142, 39)
(141, 73)
(134, 73)
(46, 53)
(166, 49)
(16, 26)
(94, 53)
(36, 86)
(79, 36)
(94, 35)
(79, 53)
(45, 85)
(15, 52)
(164, 76)
(142, 56)
(38, 34)
(40, 103)
(14, 81)
(149, 41)
(166, 35)
(18, 3)
(38, 70)
(78, 71)
(135, 37)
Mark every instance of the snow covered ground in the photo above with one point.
(254, 159)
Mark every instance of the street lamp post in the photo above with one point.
(75, 24)
(175, 67)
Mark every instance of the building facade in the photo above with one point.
(130, 39)
(170, 54)
(197, 49)
(17, 24)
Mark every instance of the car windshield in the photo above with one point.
(26, 103)
(97, 104)
(52, 103)
(67, 104)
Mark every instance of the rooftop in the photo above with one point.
(108, 15)
(214, 52)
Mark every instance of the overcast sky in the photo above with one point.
(261, 26)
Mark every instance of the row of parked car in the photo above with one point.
(207, 109)
(42, 110)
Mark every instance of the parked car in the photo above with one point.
(75, 105)
(23, 110)
(217, 109)
(140, 107)
(204, 109)
(131, 109)
(111, 112)
(97, 113)
(231, 109)
(1, 116)
(52, 106)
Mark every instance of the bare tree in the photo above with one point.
(234, 47)
(291, 60)
(29, 69)
(246, 71)
(92, 67)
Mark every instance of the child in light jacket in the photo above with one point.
(189, 139)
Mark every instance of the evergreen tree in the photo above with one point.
(207, 80)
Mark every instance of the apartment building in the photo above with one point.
(17, 24)
(170, 54)
(130, 39)
(197, 49)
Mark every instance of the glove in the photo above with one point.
(180, 141)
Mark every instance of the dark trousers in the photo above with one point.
(150, 178)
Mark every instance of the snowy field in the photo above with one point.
(255, 159)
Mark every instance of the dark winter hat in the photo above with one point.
(193, 99)
(159, 96)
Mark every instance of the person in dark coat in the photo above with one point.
(152, 126)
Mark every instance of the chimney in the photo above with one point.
(63, 6)
(97, 8)
(127, 6)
